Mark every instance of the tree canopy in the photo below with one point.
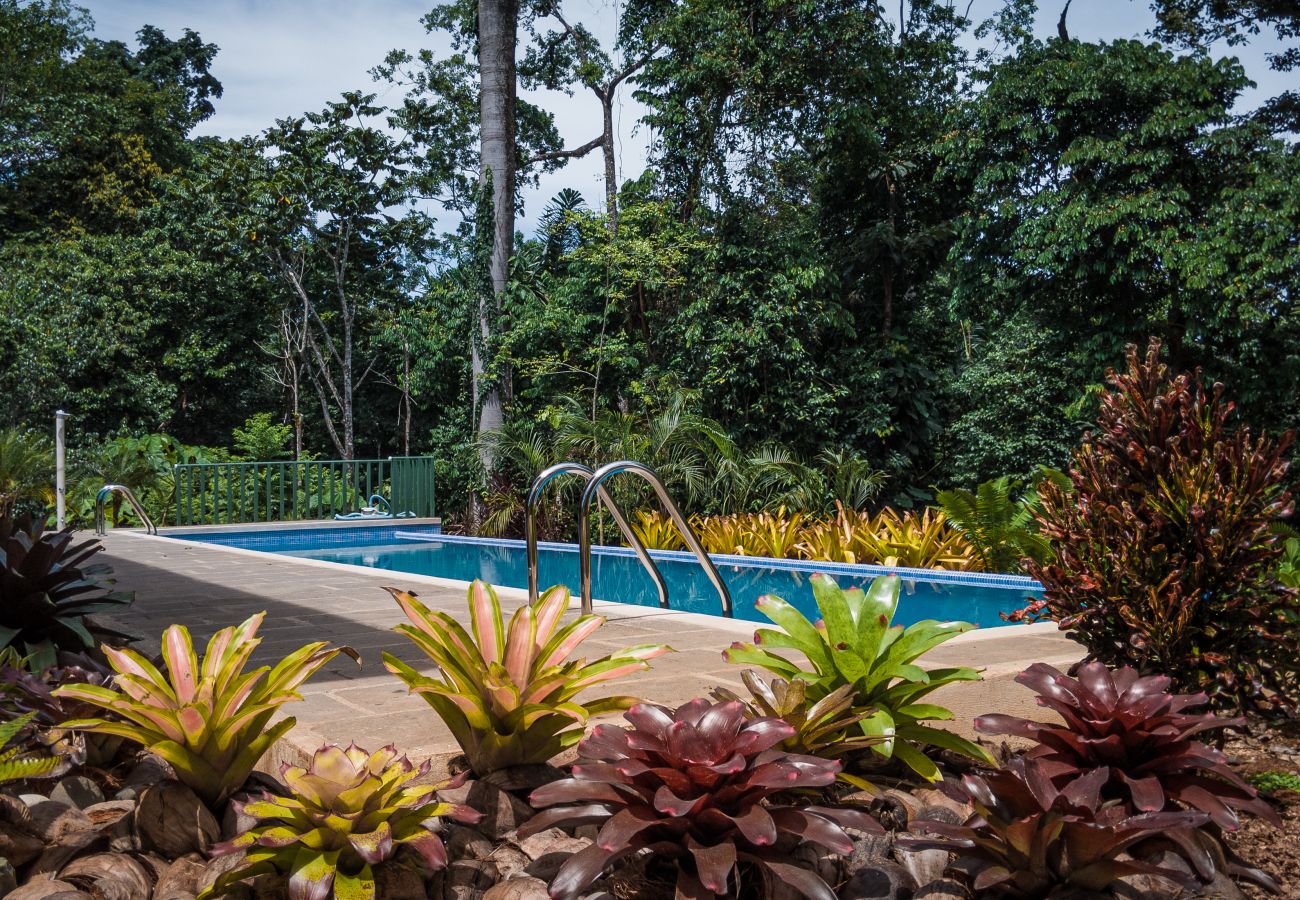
(912, 245)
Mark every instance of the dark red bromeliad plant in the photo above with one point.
(1162, 554)
(697, 785)
(1149, 745)
(1142, 732)
(1029, 837)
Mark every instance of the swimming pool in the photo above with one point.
(617, 574)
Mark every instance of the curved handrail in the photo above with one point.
(107, 491)
(594, 485)
(530, 527)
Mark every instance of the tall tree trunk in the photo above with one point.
(497, 35)
(295, 398)
(887, 317)
(406, 399)
(607, 148)
(349, 433)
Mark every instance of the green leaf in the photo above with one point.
(835, 611)
(808, 639)
(880, 724)
(360, 886)
(917, 761)
(920, 711)
(947, 741)
(747, 654)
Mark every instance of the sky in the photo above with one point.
(281, 58)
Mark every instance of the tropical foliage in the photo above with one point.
(1163, 553)
(18, 763)
(1288, 570)
(855, 645)
(694, 784)
(1141, 733)
(702, 467)
(507, 692)
(1027, 837)
(823, 728)
(26, 469)
(48, 593)
(890, 538)
(999, 525)
(27, 693)
(345, 815)
(143, 464)
(867, 312)
(207, 717)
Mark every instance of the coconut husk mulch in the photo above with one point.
(1270, 747)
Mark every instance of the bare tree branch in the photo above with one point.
(565, 154)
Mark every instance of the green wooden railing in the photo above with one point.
(238, 492)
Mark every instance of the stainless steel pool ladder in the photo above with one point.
(595, 489)
(102, 497)
(530, 527)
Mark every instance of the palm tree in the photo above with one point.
(675, 441)
(135, 463)
(25, 469)
(850, 480)
(519, 449)
(702, 468)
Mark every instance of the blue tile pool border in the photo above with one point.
(974, 579)
(304, 538)
(290, 540)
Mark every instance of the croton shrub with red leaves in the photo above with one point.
(1162, 550)
(697, 785)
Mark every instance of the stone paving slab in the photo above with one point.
(206, 587)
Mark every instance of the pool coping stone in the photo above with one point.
(333, 715)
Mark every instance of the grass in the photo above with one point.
(1272, 782)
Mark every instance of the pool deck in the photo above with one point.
(206, 587)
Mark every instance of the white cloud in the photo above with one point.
(285, 57)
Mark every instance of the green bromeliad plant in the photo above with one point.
(508, 692)
(347, 815)
(854, 644)
(209, 719)
(823, 728)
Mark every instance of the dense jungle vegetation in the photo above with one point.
(862, 255)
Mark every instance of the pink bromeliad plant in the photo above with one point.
(1148, 742)
(209, 719)
(508, 693)
(703, 785)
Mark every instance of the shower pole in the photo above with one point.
(60, 471)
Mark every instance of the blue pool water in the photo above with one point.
(617, 574)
